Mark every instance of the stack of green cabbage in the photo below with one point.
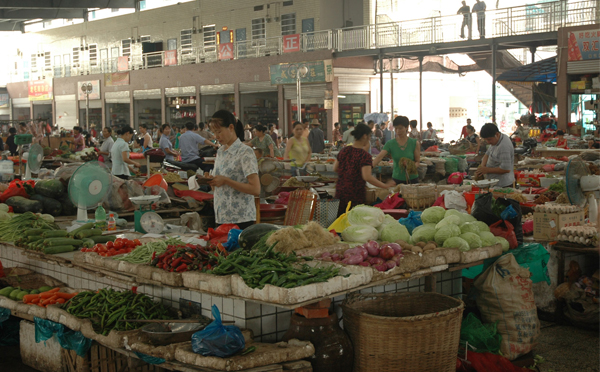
(453, 229)
(370, 223)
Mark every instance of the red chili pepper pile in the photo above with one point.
(119, 246)
(180, 258)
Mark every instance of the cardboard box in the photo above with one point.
(580, 85)
(547, 225)
(373, 194)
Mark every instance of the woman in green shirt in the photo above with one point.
(401, 147)
(264, 142)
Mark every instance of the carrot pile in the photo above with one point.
(50, 297)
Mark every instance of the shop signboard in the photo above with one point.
(40, 90)
(4, 100)
(170, 58)
(291, 43)
(94, 94)
(116, 79)
(583, 45)
(225, 51)
(123, 63)
(318, 72)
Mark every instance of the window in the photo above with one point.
(258, 29)
(210, 35)
(145, 39)
(93, 54)
(126, 47)
(259, 8)
(76, 56)
(34, 62)
(288, 3)
(288, 24)
(47, 61)
(186, 41)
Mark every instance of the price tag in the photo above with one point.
(552, 224)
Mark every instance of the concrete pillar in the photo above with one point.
(131, 111)
(421, 93)
(236, 98)
(281, 119)
(494, 48)
(380, 82)
(163, 107)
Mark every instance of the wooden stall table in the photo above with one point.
(562, 152)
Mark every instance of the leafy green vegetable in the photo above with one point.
(469, 227)
(482, 226)
(452, 219)
(393, 232)
(456, 242)
(433, 215)
(558, 187)
(445, 232)
(487, 239)
(366, 215)
(360, 233)
(473, 239)
(424, 233)
(504, 243)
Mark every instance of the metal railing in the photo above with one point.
(519, 20)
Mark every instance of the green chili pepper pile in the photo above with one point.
(107, 307)
(145, 253)
(261, 267)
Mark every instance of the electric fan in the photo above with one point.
(269, 173)
(89, 186)
(34, 160)
(582, 187)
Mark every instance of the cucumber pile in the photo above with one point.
(17, 294)
(60, 241)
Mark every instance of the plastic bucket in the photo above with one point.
(470, 198)
(156, 180)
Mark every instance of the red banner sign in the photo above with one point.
(170, 58)
(291, 43)
(40, 90)
(116, 79)
(225, 51)
(123, 64)
(584, 45)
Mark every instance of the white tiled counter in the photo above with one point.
(268, 322)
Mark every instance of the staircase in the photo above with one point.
(504, 61)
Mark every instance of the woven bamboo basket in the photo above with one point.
(418, 196)
(408, 332)
(461, 148)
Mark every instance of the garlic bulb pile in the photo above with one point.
(557, 208)
(586, 234)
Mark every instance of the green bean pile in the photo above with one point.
(261, 267)
(11, 230)
(143, 253)
(107, 307)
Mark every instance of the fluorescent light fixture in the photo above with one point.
(341, 96)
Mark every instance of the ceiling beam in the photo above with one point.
(67, 4)
(41, 13)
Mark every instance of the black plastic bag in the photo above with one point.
(482, 211)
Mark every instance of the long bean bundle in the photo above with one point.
(12, 229)
(143, 253)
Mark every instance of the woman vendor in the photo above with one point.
(561, 141)
(298, 150)
(235, 181)
(404, 151)
(264, 142)
(165, 143)
(473, 137)
(353, 166)
(107, 145)
(146, 140)
(119, 154)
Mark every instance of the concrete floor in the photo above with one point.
(568, 349)
(564, 348)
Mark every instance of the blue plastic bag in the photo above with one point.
(232, 240)
(217, 339)
(67, 338)
(412, 221)
(4, 314)
(149, 359)
(508, 213)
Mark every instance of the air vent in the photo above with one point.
(288, 3)
(259, 8)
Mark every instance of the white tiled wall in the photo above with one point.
(268, 323)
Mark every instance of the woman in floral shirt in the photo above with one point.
(235, 181)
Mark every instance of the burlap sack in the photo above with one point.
(506, 295)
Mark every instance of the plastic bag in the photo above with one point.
(484, 337)
(192, 221)
(454, 200)
(451, 165)
(482, 211)
(508, 213)
(149, 359)
(217, 339)
(67, 338)
(341, 223)
(220, 234)
(507, 232)
(534, 257)
(412, 221)
(4, 314)
(391, 202)
(232, 240)
(9, 329)
(488, 362)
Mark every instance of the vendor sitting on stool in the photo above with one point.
(498, 161)
(188, 144)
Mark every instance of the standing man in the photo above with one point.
(498, 161)
(347, 138)
(414, 132)
(387, 134)
(465, 10)
(479, 8)
(316, 138)
(188, 142)
(464, 133)
(430, 133)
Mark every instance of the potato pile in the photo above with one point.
(420, 247)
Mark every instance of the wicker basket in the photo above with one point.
(410, 331)
(418, 196)
(461, 148)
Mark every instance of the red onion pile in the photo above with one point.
(382, 258)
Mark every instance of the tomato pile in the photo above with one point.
(119, 246)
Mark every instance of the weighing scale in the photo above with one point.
(485, 184)
(147, 221)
